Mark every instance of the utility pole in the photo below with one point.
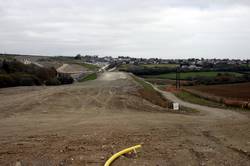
(178, 83)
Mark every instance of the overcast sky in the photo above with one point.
(137, 28)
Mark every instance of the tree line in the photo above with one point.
(14, 73)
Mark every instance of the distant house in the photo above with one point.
(26, 61)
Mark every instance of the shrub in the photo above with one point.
(46, 73)
(17, 67)
(14, 73)
(18, 79)
(26, 81)
(53, 81)
(23, 79)
(66, 79)
(6, 80)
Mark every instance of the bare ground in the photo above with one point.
(84, 124)
(71, 68)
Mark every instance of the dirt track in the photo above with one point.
(84, 124)
(213, 113)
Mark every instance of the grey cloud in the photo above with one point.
(148, 28)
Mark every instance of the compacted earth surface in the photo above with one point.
(85, 123)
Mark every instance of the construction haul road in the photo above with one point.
(85, 123)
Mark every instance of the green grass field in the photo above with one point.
(187, 75)
(126, 66)
(161, 65)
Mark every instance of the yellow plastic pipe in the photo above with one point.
(115, 156)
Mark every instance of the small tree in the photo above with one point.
(78, 57)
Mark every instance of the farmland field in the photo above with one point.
(187, 75)
(161, 65)
(126, 66)
(236, 91)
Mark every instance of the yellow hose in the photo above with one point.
(111, 159)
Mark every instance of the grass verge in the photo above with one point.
(196, 100)
(88, 66)
(89, 77)
(155, 97)
(143, 83)
(149, 93)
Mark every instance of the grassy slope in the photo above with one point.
(158, 97)
(191, 74)
(88, 66)
(143, 83)
(89, 77)
(71, 60)
(150, 94)
(196, 100)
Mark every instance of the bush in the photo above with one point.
(13, 66)
(45, 73)
(18, 79)
(14, 73)
(23, 79)
(53, 81)
(6, 81)
(26, 81)
(66, 79)
(17, 67)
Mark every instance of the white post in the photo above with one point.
(176, 106)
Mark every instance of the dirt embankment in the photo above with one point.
(84, 124)
(147, 92)
(71, 69)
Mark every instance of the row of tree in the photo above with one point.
(143, 70)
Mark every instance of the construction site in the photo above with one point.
(124, 83)
(86, 123)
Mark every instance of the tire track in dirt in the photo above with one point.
(93, 132)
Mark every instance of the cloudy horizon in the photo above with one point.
(150, 28)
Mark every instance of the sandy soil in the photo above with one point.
(84, 124)
(71, 68)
